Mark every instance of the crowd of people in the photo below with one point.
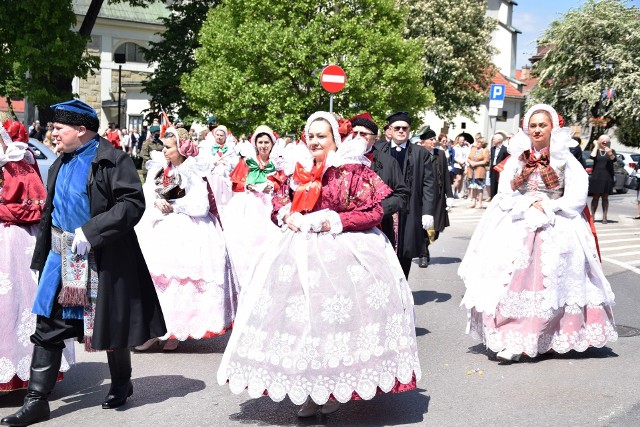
(304, 251)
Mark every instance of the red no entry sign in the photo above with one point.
(333, 78)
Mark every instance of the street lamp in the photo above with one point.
(119, 58)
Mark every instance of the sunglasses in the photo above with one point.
(400, 128)
(362, 133)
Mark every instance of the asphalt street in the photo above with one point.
(460, 386)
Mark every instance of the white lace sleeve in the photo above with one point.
(195, 202)
(156, 162)
(576, 188)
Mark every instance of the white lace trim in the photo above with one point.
(336, 363)
(320, 387)
(591, 335)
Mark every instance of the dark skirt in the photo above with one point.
(600, 182)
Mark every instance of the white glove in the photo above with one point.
(80, 245)
(296, 219)
(427, 221)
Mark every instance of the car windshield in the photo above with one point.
(38, 154)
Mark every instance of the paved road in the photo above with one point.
(460, 385)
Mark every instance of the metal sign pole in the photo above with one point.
(331, 103)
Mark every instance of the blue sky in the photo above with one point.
(532, 17)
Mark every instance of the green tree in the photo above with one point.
(41, 51)
(260, 61)
(455, 36)
(602, 30)
(174, 56)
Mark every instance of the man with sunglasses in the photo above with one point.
(417, 172)
(386, 168)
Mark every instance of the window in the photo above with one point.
(135, 122)
(502, 117)
(132, 51)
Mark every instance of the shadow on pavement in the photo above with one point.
(85, 388)
(383, 410)
(444, 260)
(423, 297)
(192, 346)
(422, 331)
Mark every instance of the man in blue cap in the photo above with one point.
(94, 282)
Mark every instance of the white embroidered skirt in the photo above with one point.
(324, 316)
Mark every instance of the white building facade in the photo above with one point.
(122, 29)
(504, 40)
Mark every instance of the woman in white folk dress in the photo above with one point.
(248, 227)
(184, 247)
(542, 288)
(327, 315)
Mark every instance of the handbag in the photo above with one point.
(631, 182)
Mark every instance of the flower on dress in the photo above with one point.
(285, 274)
(263, 307)
(308, 355)
(27, 327)
(336, 309)
(368, 341)
(336, 346)
(29, 249)
(7, 371)
(313, 278)
(378, 294)
(5, 283)
(251, 343)
(280, 348)
(296, 309)
(522, 258)
(356, 273)
(395, 329)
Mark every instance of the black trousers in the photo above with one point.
(52, 331)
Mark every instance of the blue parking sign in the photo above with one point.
(497, 92)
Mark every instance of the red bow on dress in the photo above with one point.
(309, 187)
(548, 175)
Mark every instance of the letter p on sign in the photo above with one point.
(497, 92)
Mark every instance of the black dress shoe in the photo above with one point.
(423, 262)
(118, 394)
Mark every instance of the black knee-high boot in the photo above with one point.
(121, 386)
(45, 365)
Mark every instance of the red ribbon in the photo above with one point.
(239, 176)
(587, 214)
(309, 187)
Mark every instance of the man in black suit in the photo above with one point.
(418, 176)
(498, 154)
(387, 169)
(443, 192)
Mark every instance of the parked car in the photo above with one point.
(629, 159)
(44, 157)
(619, 172)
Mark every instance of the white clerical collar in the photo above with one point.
(398, 147)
